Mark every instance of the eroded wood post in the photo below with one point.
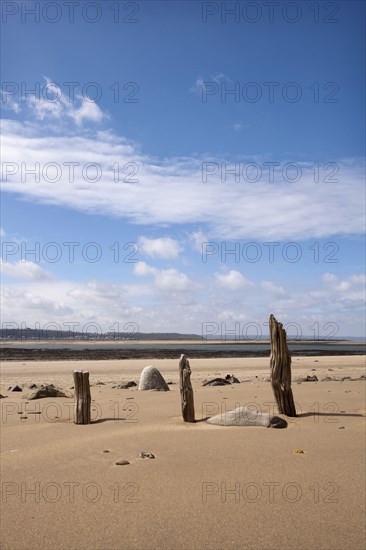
(82, 399)
(186, 390)
(280, 364)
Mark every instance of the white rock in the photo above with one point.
(152, 379)
(242, 416)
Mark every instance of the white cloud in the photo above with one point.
(172, 280)
(164, 247)
(142, 268)
(172, 192)
(166, 280)
(25, 270)
(52, 103)
(270, 287)
(233, 280)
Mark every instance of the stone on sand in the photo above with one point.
(152, 379)
(125, 386)
(217, 382)
(232, 379)
(243, 416)
(46, 391)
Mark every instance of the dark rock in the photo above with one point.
(33, 386)
(217, 382)
(15, 388)
(125, 386)
(47, 391)
(3, 396)
(122, 462)
(311, 378)
(144, 454)
(232, 379)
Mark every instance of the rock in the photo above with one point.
(217, 382)
(33, 386)
(105, 451)
(152, 379)
(122, 462)
(327, 379)
(144, 454)
(311, 378)
(232, 379)
(345, 378)
(46, 391)
(330, 369)
(3, 396)
(243, 416)
(15, 388)
(125, 386)
(341, 427)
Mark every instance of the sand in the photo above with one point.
(208, 487)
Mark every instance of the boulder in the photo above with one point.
(243, 416)
(46, 391)
(15, 388)
(152, 379)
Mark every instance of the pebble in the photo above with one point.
(341, 427)
(105, 451)
(122, 462)
(144, 454)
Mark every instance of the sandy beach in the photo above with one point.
(208, 486)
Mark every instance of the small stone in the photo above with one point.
(122, 462)
(33, 386)
(23, 417)
(341, 427)
(15, 388)
(144, 454)
(311, 378)
(3, 396)
(299, 452)
(105, 451)
(232, 379)
(125, 386)
(217, 382)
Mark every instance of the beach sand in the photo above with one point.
(208, 487)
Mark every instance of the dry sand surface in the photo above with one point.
(208, 487)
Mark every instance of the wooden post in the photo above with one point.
(82, 399)
(280, 363)
(186, 390)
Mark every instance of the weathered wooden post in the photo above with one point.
(186, 390)
(280, 363)
(82, 399)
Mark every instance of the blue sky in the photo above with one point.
(180, 127)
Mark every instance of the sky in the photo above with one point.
(183, 167)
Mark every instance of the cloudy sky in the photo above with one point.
(180, 166)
